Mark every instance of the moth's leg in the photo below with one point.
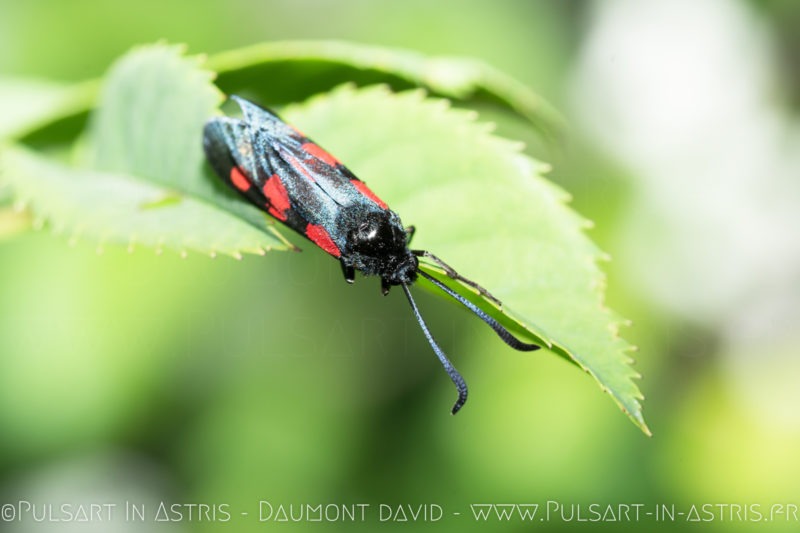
(348, 271)
(451, 273)
(385, 286)
(410, 230)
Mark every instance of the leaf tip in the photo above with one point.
(641, 424)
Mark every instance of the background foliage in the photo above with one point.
(149, 377)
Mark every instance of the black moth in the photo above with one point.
(283, 172)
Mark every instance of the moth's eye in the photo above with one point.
(368, 231)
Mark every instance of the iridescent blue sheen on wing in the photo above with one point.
(320, 193)
(275, 136)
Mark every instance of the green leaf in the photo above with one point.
(23, 102)
(106, 207)
(12, 222)
(29, 105)
(151, 114)
(147, 183)
(298, 69)
(288, 71)
(150, 122)
(13, 219)
(482, 206)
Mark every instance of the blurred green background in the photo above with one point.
(149, 378)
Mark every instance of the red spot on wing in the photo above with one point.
(363, 189)
(277, 196)
(322, 238)
(319, 153)
(239, 180)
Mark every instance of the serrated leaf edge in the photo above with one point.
(581, 224)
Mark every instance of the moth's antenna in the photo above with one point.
(502, 332)
(459, 382)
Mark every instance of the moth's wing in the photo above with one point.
(307, 158)
(292, 178)
(230, 150)
(333, 178)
